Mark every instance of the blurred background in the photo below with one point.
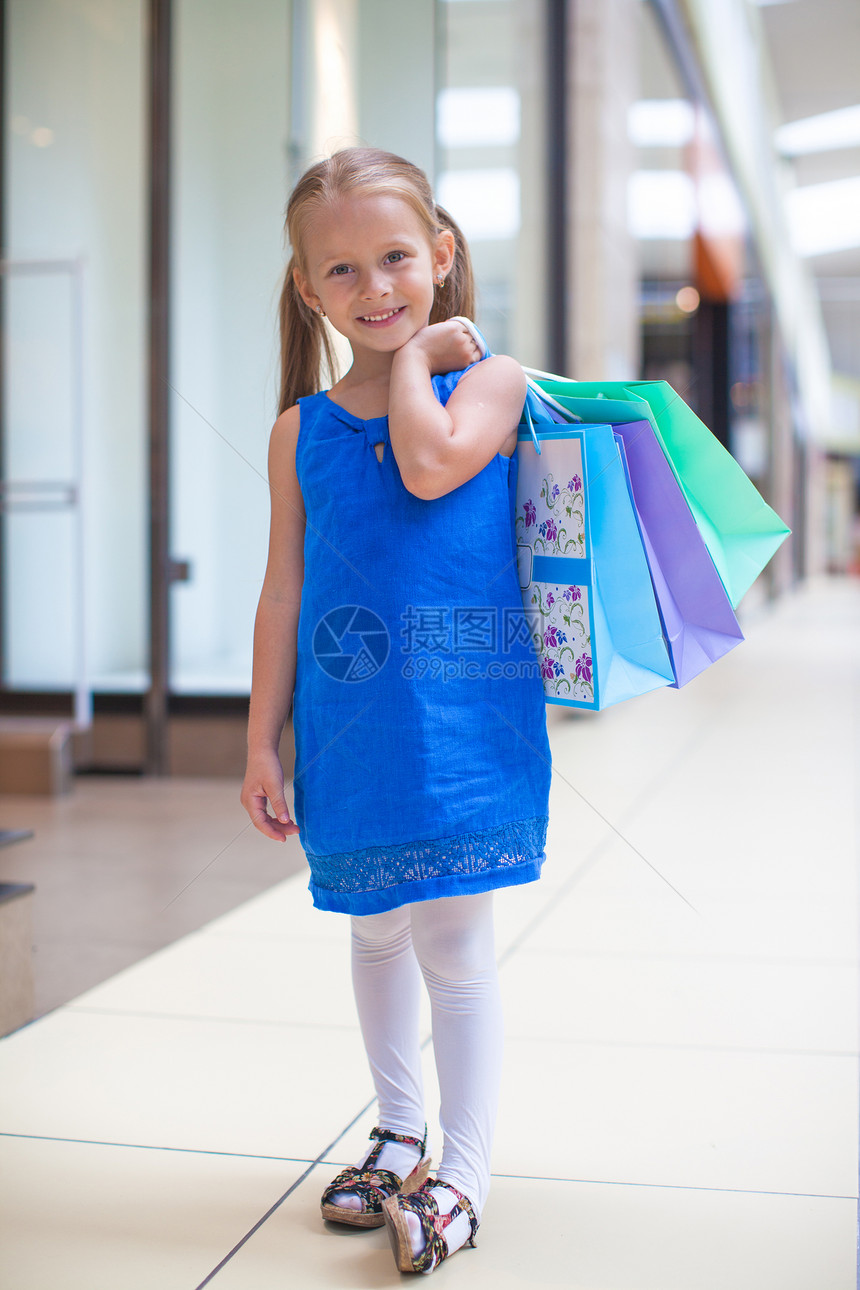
(651, 188)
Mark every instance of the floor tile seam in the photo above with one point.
(660, 1186)
(282, 1199)
(852, 1054)
(266, 1022)
(150, 1146)
(334, 1163)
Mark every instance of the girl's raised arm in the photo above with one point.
(438, 448)
(275, 633)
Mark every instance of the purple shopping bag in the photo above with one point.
(698, 621)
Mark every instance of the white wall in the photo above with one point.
(493, 179)
(230, 185)
(396, 78)
(75, 170)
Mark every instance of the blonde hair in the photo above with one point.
(305, 344)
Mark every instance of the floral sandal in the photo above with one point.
(423, 1205)
(373, 1186)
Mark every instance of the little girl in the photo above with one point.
(391, 619)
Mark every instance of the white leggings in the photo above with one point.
(450, 943)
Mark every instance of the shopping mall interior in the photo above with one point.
(652, 191)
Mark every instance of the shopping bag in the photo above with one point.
(698, 622)
(689, 574)
(699, 625)
(739, 529)
(587, 591)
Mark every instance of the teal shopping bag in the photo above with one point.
(587, 590)
(739, 529)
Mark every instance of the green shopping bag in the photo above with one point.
(738, 527)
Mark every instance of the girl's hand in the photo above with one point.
(447, 347)
(264, 782)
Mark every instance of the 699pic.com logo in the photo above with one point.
(351, 643)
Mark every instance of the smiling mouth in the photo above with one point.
(381, 317)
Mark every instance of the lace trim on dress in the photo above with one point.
(500, 847)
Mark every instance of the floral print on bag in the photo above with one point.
(551, 521)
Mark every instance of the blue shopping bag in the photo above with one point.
(699, 625)
(587, 590)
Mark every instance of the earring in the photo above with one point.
(320, 311)
(440, 281)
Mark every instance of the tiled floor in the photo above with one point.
(680, 1100)
(124, 866)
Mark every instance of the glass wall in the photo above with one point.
(74, 442)
(258, 91)
(230, 176)
(490, 114)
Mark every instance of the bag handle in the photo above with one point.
(549, 401)
(531, 383)
(484, 349)
(527, 413)
(474, 333)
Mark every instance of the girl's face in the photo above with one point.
(370, 265)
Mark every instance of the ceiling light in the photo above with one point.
(825, 217)
(821, 133)
(468, 118)
(660, 123)
(485, 203)
(661, 204)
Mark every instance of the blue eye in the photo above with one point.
(395, 256)
(340, 269)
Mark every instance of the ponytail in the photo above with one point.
(458, 294)
(306, 348)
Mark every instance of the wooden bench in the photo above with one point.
(36, 755)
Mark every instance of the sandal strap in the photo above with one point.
(372, 1185)
(463, 1206)
(388, 1135)
(425, 1208)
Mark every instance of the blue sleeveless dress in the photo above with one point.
(422, 759)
